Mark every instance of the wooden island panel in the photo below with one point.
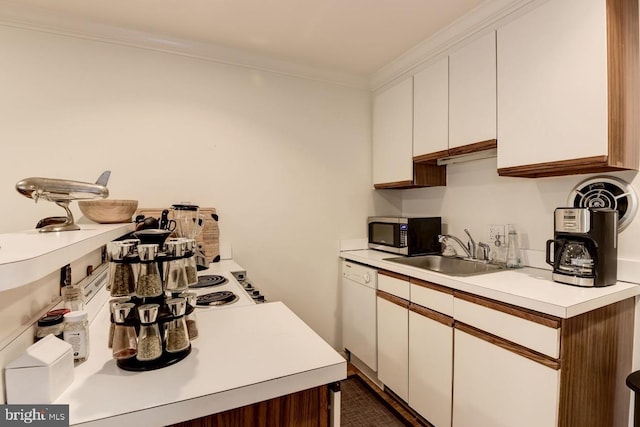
(307, 408)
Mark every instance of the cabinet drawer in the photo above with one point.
(432, 296)
(394, 284)
(494, 387)
(534, 331)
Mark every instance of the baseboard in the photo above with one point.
(394, 403)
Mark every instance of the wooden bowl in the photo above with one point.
(108, 211)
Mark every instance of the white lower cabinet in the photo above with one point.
(393, 344)
(430, 367)
(463, 360)
(495, 387)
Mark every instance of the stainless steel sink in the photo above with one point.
(447, 265)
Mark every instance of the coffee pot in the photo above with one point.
(585, 247)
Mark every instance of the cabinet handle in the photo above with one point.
(508, 345)
(393, 299)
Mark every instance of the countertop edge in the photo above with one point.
(619, 292)
(219, 402)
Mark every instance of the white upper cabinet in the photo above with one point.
(563, 97)
(455, 102)
(431, 109)
(393, 134)
(472, 92)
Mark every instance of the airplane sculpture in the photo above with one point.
(62, 192)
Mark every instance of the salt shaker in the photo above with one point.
(149, 283)
(112, 325)
(149, 339)
(176, 335)
(124, 336)
(190, 319)
(191, 269)
(121, 276)
(175, 275)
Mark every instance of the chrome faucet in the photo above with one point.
(444, 237)
(470, 249)
(484, 251)
(471, 245)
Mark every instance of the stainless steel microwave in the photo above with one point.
(405, 236)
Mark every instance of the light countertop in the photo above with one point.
(529, 288)
(242, 355)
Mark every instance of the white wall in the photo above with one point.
(475, 196)
(286, 161)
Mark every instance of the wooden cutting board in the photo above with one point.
(209, 238)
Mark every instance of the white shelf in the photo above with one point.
(27, 256)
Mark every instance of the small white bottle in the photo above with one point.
(76, 333)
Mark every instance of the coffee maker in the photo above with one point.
(585, 246)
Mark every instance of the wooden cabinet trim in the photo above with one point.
(623, 66)
(429, 175)
(432, 286)
(394, 275)
(304, 408)
(433, 315)
(561, 167)
(523, 313)
(425, 174)
(596, 353)
(509, 346)
(431, 157)
(489, 144)
(397, 184)
(393, 299)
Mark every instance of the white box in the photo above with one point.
(41, 373)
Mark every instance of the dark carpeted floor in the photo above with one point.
(360, 407)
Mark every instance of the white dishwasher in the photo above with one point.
(359, 284)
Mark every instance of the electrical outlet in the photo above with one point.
(495, 232)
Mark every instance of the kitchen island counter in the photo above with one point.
(530, 288)
(242, 355)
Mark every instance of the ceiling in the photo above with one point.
(350, 36)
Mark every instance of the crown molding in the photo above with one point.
(29, 17)
(488, 16)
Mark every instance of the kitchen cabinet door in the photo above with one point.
(472, 93)
(430, 365)
(566, 99)
(393, 343)
(495, 387)
(393, 135)
(431, 110)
